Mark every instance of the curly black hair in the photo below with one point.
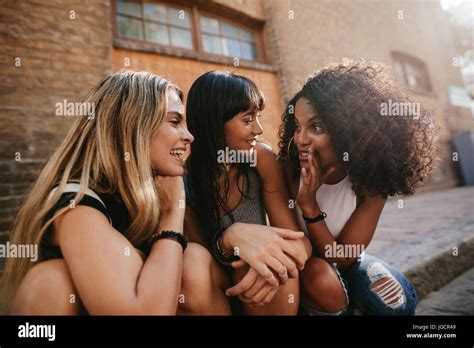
(387, 155)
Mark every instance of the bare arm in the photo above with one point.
(109, 274)
(275, 194)
(358, 230)
(276, 200)
(360, 227)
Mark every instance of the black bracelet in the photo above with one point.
(178, 237)
(220, 254)
(320, 217)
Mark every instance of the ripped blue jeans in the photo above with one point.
(394, 295)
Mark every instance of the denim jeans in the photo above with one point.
(396, 297)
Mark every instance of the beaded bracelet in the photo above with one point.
(178, 237)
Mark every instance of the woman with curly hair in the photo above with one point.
(343, 156)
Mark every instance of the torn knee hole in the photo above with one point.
(385, 286)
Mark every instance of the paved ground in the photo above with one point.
(456, 298)
(429, 237)
(428, 224)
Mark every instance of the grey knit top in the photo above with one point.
(250, 208)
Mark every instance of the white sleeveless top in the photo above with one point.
(338, 201)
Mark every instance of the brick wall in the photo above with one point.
(325, 31)
(252, 8)
(48, 54)
(183, 72)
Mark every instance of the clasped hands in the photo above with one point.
(272, 255)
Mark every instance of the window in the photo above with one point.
(164, 24)
(155, 23)
(223, 38)
(129, 20)
(411, 71)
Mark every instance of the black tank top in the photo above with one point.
(111, 205)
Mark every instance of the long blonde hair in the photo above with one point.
(109, 152)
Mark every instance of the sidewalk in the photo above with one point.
(430, 238)
(456, 298)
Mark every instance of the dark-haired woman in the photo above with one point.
(233, 182)
(343, 156)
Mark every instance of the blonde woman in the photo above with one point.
(107, 213)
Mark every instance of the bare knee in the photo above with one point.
(321, 288)
(201, 278)
(47, 289)
(197, 263)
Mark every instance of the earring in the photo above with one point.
(289, 145)
(295, 166)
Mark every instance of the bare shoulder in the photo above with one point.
(266, 158)
(82, 222)
(265, 150)
(74, 217)
(373, 201)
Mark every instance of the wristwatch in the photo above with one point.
(219, 252)
(319, 217)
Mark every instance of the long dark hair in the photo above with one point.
(386, 155)
(215, 98)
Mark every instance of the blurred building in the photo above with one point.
(56, 50)
(461, 20)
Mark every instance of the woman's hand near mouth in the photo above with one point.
(312, 181)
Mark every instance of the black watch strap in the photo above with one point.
(219, 253)
(320, 217)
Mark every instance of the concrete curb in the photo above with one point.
(442, 268)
